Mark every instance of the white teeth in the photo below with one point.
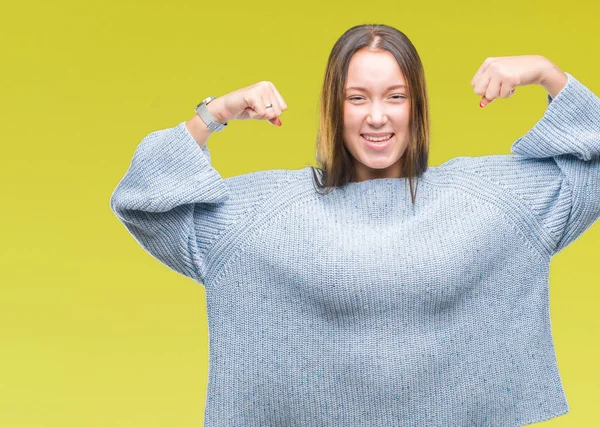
(384, 138)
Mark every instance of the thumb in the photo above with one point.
(484, 101)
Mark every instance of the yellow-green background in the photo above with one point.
(94, 331)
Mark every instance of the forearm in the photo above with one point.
(553, 79)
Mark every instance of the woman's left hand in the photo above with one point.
(499, 76)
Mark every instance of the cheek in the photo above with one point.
(351, 122)
(350, 116)
(406, 114)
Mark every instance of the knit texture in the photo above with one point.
(357, 308)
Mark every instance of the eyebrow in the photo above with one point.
(364, 90)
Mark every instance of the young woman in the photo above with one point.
(337, 298)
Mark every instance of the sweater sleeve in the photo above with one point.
(155, 200)
(554, 168)
(176, 205)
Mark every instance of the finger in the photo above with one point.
(493, 90)
(269, 114)
(258, 104)
(481, 70)
(482, 84)
(481, 88)
(274, 112)
(506, 90)
(281, 106)
(282, 103)
(484, 101)
(256, 108)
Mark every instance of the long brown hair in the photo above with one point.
(336, 166)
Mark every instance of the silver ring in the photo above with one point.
(268, 105)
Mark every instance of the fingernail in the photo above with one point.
(279, 122)
(481, 104)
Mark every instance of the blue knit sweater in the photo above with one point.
(357, 308)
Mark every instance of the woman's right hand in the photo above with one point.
(249, 103)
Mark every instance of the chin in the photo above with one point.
(379, 163)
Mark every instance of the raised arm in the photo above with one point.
(569, 135)
(554, 169)
(175, 204)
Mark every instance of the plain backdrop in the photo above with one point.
(94, 331)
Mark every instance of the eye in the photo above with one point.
(359, 98)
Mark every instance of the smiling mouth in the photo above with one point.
(379, 141)
(379, 145)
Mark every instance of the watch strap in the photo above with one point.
(211, 123)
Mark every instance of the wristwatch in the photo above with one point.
(208, 119)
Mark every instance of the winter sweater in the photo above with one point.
(358, 308)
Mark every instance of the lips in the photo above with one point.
(377, 135)
(378, 146)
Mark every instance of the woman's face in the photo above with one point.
(377, 108)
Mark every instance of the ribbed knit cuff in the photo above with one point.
(190, 171)
(570, 125)
(169, 169)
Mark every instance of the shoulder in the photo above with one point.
(499, 175)
(264, 179)
(258, 187)
(495, 165)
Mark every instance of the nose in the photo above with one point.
(377, 116)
